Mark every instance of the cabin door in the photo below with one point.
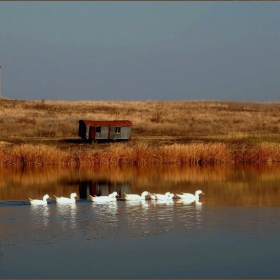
(91, 133)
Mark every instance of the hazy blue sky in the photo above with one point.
(140, 50)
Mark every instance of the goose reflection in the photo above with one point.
(165, 202)
(198, 204)
(111, 207)
(165, 216)
(67, 214)
(185, 201)
(136, 216)
(193, 216)
(189, 202)
(40, 214)
(136, 204)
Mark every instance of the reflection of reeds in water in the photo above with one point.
(242, 193)
(19, 184)
(138, 154)
(36, 176)
(48, 175)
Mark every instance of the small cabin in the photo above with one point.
(97, 131)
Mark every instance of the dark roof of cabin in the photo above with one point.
(107, 123)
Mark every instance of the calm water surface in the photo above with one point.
(233, 232)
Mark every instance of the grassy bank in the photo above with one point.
(141, 153)
(182, 132)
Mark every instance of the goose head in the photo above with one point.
(144, 193)
(197, 193)
(45, 197)
(114, 194)
(73, 195)
(171, 195)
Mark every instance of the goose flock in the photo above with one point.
(129, 197)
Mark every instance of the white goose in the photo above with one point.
(65, 199)
(38, 201)
(104, 198)
(166, 196)
(190, 196)
(136, 196)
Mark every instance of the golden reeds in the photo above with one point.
(138, 154)
(263, 152)
(28, 155)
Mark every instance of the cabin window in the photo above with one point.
(98, 129)
(118, 130)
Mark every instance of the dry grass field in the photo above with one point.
(194, 132)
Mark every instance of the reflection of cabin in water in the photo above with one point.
(118, 130)
(98, 188)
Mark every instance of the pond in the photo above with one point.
(232, 232)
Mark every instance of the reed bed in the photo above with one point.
(263, 152)
(138, 154)
(28, 155)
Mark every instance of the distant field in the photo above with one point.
(19, 118)
(235, 126)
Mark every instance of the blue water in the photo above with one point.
(138, 240)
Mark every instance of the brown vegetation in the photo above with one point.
(137, 154)
(192, 132)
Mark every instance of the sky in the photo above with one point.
(138, 51)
